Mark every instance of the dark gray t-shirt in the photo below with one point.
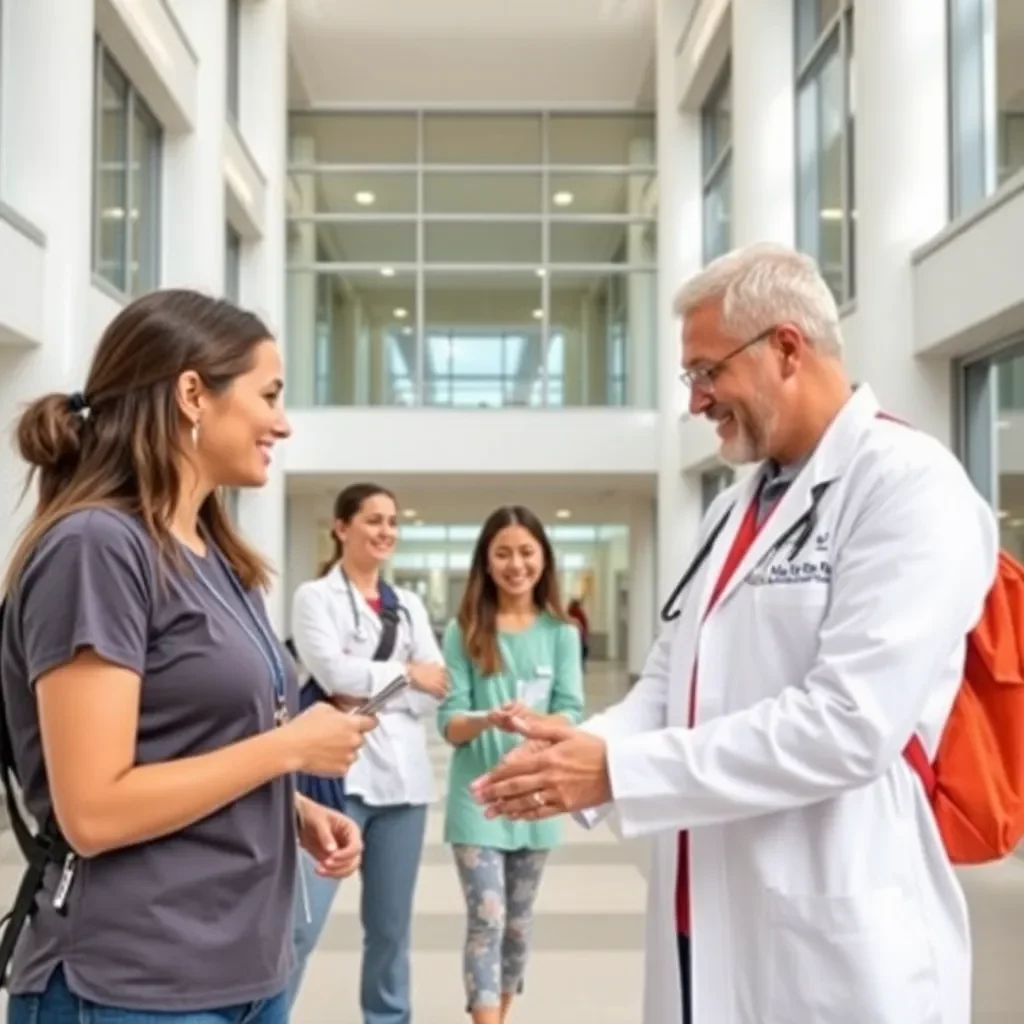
(201, 918)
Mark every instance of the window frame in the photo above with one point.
(714, 172)
(135, 107)
(834, 38)
(232, 263)
(233, 70)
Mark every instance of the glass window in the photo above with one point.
(713, 482)
(986, 44)
(234, 58)
(531, 236)
(992, 413)
(126, 206)
(716, 157)
(826, 207)
(232, 264)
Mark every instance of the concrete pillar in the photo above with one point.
(192, 232)
(679, 256)
(641, 339)
(643, 612)
(902, 197)
(301, 322)
(264, 120)
(763, 118)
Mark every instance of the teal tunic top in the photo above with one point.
(548, 650)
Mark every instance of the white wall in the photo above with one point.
(52, 310)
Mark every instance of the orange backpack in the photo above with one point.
(976, 782)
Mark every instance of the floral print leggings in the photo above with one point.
(500, 888)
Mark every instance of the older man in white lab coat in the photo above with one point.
(798, 875)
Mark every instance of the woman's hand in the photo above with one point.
(326, 741)
(330, 838)
(504, 717)
(427, 678)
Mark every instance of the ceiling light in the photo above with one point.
(563, 513)
(401, 314)
(387, 271)
(409, 513)
(538, 314)
(830, 213)
(365, 198)
(541, 272)
(563, 198)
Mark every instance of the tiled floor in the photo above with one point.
(586, 961)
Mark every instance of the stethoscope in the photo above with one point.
(796, 537)
(360, 633)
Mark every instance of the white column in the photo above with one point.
(301, 323)
(193, 229)
(641, 628)
(640, 334)
(902, 197)
(679, 256)
(264, 119)
(763, 116)
(48, 71)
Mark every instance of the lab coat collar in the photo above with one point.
(827, 463)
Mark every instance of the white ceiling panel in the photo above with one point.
(471, 51)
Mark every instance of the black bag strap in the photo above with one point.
(389, 614)
(46, 847)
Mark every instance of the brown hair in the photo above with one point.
(347, 506)
(118, 444)
(478, 613)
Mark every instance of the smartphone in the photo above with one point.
(370, 707)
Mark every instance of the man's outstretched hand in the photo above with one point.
(556, 770)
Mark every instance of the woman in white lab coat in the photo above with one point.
(338, 622)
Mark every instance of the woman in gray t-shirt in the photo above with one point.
(151, 708)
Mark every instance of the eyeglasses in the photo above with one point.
(703, 377)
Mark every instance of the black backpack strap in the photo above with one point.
(48, 847)
(390, 609)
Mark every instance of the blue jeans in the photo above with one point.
(59, 1005)
(392, 845)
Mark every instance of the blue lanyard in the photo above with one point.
(264, 643)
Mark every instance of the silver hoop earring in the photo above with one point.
(195, 434)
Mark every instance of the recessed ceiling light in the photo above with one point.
(563, 513)
(409, 513)
(387, 271)
(541, 272)
(538, 314)
(365, 198)
(401, 313)
(563, 198)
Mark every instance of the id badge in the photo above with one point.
(535, 693)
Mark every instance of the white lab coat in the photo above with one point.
(820, 890)
(394, 765)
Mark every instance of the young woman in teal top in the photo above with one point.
(512, 652)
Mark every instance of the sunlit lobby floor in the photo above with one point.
(587, 951)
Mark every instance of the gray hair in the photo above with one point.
(762, 285)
